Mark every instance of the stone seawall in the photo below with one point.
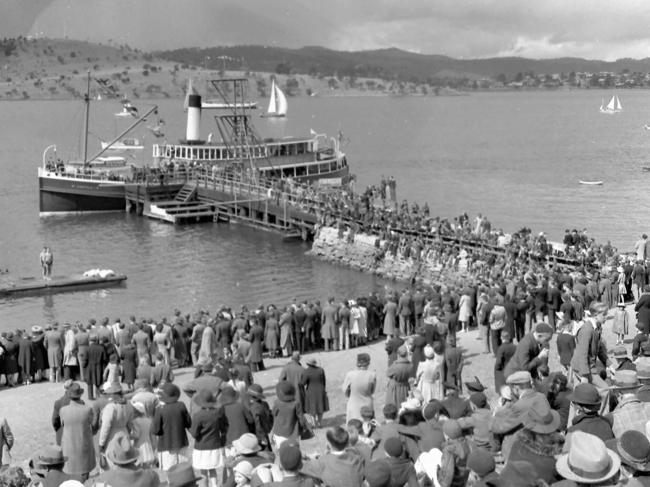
(368, 253)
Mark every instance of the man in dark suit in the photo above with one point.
(341, 467)
(531, 352)
(418, 306)
(553, 302)
(642, 308)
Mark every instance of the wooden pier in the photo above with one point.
(220, 198)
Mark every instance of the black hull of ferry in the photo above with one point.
(64, 196)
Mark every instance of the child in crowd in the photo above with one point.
(621, 323)
(112, 372)
(566, 343)
(143, 440)
(262, 415)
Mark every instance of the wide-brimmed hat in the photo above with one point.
(634, 449)
(475, 386)
(37, 330)
(120, 450)
(589, 461)
(625, 379)
(586, 395)
(312, 361)
(205, 399)
(643, 371)
(51, 455)
(620, 352)
(540, 418)
(285, 391)
(75, 391)
(246, 444)
(181, 474)
(169, 393)
(256, 391)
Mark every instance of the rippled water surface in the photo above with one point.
(516, 157)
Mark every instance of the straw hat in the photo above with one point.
(625, 379)
(589, 461)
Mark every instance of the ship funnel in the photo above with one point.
(193, 118)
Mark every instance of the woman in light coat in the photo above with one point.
(359, 386)
(430, 373)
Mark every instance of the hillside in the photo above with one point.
(55, 68)
(393, 64)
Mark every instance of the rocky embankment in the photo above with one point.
(369, 253)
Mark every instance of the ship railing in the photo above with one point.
(260, 188)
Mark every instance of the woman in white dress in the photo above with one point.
(464, 312)
(430, 372)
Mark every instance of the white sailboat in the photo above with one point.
(277, 103)
(614, 106)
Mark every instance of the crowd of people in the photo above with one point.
(583, 421)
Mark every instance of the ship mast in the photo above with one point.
(87, 102)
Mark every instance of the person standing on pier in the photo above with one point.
(47, 260)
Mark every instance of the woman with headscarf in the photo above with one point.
(429, 375)
(359, 387)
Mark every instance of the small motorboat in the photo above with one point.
(646, 168)
(591, 183)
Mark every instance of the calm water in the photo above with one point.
(516, 157)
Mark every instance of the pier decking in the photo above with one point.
(207, 197)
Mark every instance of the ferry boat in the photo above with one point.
(98, 184)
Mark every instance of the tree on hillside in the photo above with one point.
(283, 68)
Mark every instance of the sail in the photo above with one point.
(618, 104)
(281, 108)
(272, 102)
(611, 106)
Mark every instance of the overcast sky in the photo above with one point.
(595, 29)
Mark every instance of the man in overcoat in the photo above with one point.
(78, 425)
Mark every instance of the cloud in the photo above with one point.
(461, 28)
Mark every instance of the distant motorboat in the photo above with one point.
(277, 103)
(591, 183)
(614, 105)
(646, 126)
(646, 168)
